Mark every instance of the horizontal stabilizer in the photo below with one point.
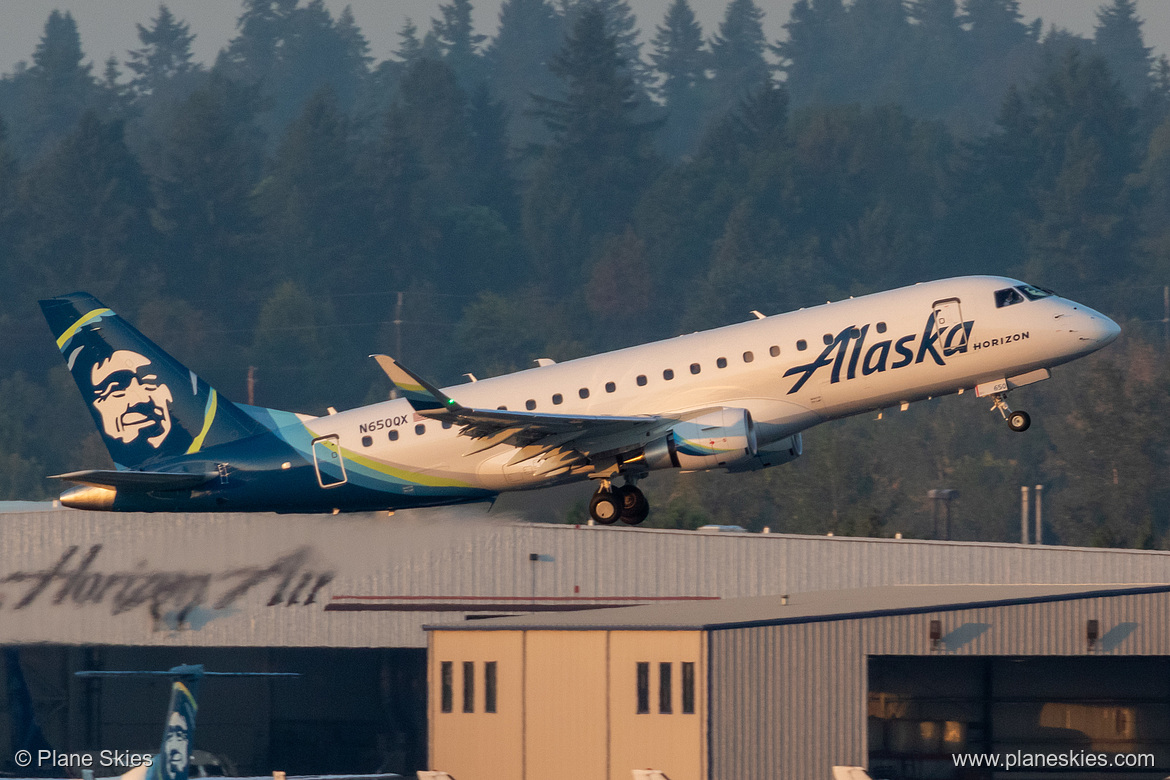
(138, 481)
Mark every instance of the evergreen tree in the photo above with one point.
(165, 54)
(622, 24)
(812, 55)
(681, 63)
(593, 171)
(737, 54)
(85, 217)
(937, 58)
(1118, 38)
(409, 48)
(59, 87)
(518, 60)
(459, 42)
(209, 162)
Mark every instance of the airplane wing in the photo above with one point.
(138, 481)
(588, 435)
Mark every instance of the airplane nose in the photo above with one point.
(1092, 328)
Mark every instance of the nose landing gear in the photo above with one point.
(1017, 421)
(627, 503)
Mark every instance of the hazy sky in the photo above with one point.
(107, 26)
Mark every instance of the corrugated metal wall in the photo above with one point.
(790, 700)
(365, 581)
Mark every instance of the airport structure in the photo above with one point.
(344, 601)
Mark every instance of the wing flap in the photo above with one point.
(138, 481)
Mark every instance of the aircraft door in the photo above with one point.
(328, 462)
(948, 324)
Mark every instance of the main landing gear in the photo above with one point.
(611, 503)
(1017, 421)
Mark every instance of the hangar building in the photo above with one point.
(901, 679)
(343, 600)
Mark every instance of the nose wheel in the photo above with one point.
(626, 503)
(1017, 421)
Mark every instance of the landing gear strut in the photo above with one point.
(610, 503)
(1017, 421)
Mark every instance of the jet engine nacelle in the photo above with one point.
(717, 439)
(787, 449)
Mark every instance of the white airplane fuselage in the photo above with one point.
(892, 354)
(735, 397)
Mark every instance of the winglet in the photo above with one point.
(422, 395)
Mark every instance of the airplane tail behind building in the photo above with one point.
(173, 760)
(147, 406)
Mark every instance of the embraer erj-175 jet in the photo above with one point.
(734, 398)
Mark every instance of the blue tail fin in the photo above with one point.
(147, 406)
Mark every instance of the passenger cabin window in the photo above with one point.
(558, 399)
(774, 351)
(696, 368)
(641, 380)
(881, 327)
(367, 441)
(1008, 296)
(828, 337)
(530, 404)
(447, 425)
(748, 357)
(610, 387)
(393, 435)
(668, 374)
(583, 392)
(501, 408)
(801, 345)
(721, 363)
(420, 429)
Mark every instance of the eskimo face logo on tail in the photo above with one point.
(175, 746)
(131, 401)
(849, 356)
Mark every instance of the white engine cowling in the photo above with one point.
(717, 439)
(787, 449)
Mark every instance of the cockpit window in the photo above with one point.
(1007, 296)
(1035, 293)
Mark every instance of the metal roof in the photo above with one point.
(816, 606)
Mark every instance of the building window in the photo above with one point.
(643, 687)
(801, 345)
(664, 692)
(748, 357)
(530, 404)
(696, 368)
(774, 351)
(489, 686)
(583, 392)
(668, 374)
(610, 387)
(367, 441)
(641, 380)
(558, 399)
(446, 673)
(420, 429)
(393, 435)
(469, 686)
(688, 687)
(721, 363)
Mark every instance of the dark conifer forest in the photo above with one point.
(583, 180)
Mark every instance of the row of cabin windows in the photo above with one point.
(666, 687)
(447, 686)
(419, 430)
(641, 380)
